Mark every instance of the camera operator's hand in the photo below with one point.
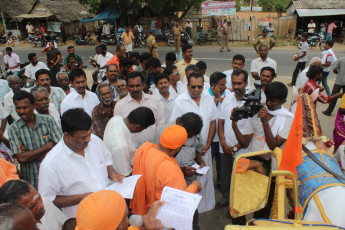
(232, 116)
(263, 114)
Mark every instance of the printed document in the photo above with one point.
(201, 171)
(126, 188)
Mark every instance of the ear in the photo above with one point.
(314, 95)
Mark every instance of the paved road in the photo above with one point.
(217, 61)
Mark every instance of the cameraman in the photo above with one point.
(266, 130)
(230, 147)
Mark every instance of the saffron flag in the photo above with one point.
(292, 151)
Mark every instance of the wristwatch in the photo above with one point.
(234, 149)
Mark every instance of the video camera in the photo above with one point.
(251, 106)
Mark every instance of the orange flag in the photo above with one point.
(292, 152)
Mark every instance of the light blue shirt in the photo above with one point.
(4, 89)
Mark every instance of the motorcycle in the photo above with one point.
(107, 39)
(35, 40)
(184, 37)
(78, 40)
(56, 39)
(140, 40)
(6, 37)
(313, 41)
(204, 38)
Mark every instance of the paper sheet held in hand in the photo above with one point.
(201, 171)
(126, 188)
(178, 208)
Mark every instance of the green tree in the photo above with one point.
(274, 5)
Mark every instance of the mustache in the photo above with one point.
(45, 106)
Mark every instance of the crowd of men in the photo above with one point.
(147, 118)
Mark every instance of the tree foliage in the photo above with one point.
(274, 5)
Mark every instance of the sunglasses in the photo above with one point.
(196, 86)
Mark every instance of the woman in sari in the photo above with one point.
(339, 134)
(53, 57)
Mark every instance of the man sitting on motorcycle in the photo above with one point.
(71, 50)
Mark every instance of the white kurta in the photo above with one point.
(53, 218)
(75, 100)
(208, 112)
(121, 144)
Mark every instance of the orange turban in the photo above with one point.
(173, 137)
(102, 210)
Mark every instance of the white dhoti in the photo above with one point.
(129, 47)
(208, 200)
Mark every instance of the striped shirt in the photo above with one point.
(44, 131)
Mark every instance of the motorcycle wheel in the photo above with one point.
(219, 40)
(91, 42)
(322, 45)
(299, 44)
(171, 42)
(142, 44)
(76, 42)
(58, 41)
(202, 41)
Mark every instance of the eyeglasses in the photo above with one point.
(196, 86)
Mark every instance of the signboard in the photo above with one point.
(257, 9)
(53, 26)
(247, 8)
(247, 26)
(264, 22)
(218, 8)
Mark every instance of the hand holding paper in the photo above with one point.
(126, 188)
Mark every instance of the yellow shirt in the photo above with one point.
(181, 67)
(127, 38)
(268, 41)
(151, 41)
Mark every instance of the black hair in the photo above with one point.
(277, 90)
(330, 43)
(8, 212)
(145, 56)
(74, 120)
(31, 56)
(201, 65)
(76, 73)
(195, 75)
(192, 122)
(117, 68)
(169, 69)
(154, 62)
(119, 47)
(135, 55)
(41, 72)
(191, 67)
(216, 77)
(305, 35)
(314, 70)
(239, 57)
(71, 55)
(126, 61)
(71, 223)
(21, 95)
(14, 190)
(161, 76)
(238, 72)
(186, 47)
(135, 74)
(70, 47)
(142, 116)
(8, 49)
(263, 45)
(103, 47)
(170, 56)
(269, 69)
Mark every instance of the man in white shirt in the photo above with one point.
(34, 66)
(260, 62)
(302, 76)
(119, 139)
(328, 58)
(43, 105)
(176, 86)
(229, 146)
(29, 28)
(238, 62)
(136, 98)
(301, 59)
(56, 94)
(194, 100)
(80, 97)
(106, 28)
(14, 83)
(166, 99)
(311, 27)
(11, 61)
(104, 56)
(78, 165)
(46, 214)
